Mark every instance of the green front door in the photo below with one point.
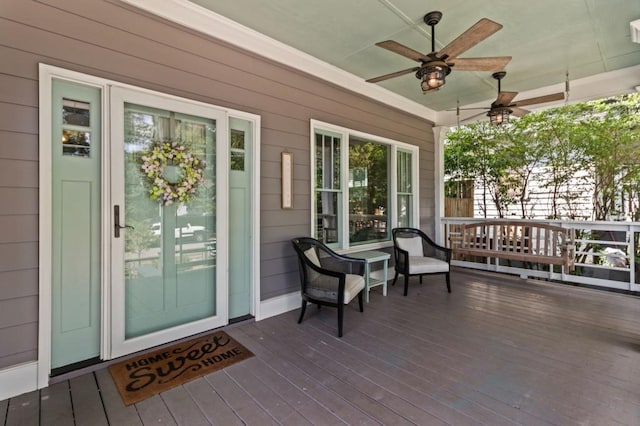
(166, 273)
(76, 243)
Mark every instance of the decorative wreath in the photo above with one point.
(173, 173)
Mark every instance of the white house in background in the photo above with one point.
(539, 201)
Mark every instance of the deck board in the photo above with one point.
(365, 396)
(117, 412)
(321, 395)
(55, 405)
(350, 369)
(244, 374)
(183, 408)
(425, 394)
(24, 410)
(211, 404)
(245, 407)
(288, 391)
(498, 350)
(533, 356)
(154, 411)
(493, 371)
(87, 403)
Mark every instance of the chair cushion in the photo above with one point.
(312, 256)
(352, 286)
(412, 245)
(324, 287)
(426, 265)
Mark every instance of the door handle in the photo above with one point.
(116, 222)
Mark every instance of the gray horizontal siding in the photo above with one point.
(18, 228)
(109, 39)
(14, 312)
(17, 118)
(19, 173)
(19, 90)
(18, 146)
(18, 201)
(18, 358)
(18, 340)
(17, 256)
(15, 284)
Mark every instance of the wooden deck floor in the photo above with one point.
(496, 351)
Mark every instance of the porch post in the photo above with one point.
(439, 135)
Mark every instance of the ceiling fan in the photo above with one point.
(435, 66)
(503, 106)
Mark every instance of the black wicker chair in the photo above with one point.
(327, 278)
(416, 254)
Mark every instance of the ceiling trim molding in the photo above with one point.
(205, 21)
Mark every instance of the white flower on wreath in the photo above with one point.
(155, 161)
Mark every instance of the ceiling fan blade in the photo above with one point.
(473, 116)
(519, 112)
(495, 63)
(541, 99)
(474, 35)
(468, 109)
(392, 75)
(401, 49)
(505, 98)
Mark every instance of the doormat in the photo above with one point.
(149, 374)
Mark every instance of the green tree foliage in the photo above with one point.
(553, 129)
(474, 152)
(370, 158)
(610, 138)
(524, 153)
(597, 141)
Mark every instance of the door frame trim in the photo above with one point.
(46, 75)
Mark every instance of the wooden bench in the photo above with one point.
(517, 240)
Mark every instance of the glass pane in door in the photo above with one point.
(170, 245)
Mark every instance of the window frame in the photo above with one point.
(411, 193)
(343, 245)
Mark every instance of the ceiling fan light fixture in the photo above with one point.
(433, 75)
(499, 116)
(433, 78)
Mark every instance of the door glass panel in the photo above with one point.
(170, 256)
(76, 113)
(76, 130)
(237, 150)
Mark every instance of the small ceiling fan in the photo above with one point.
(503, 106)
(435, 66)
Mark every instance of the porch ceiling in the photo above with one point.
(589, 39)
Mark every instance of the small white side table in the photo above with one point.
(370, 257)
